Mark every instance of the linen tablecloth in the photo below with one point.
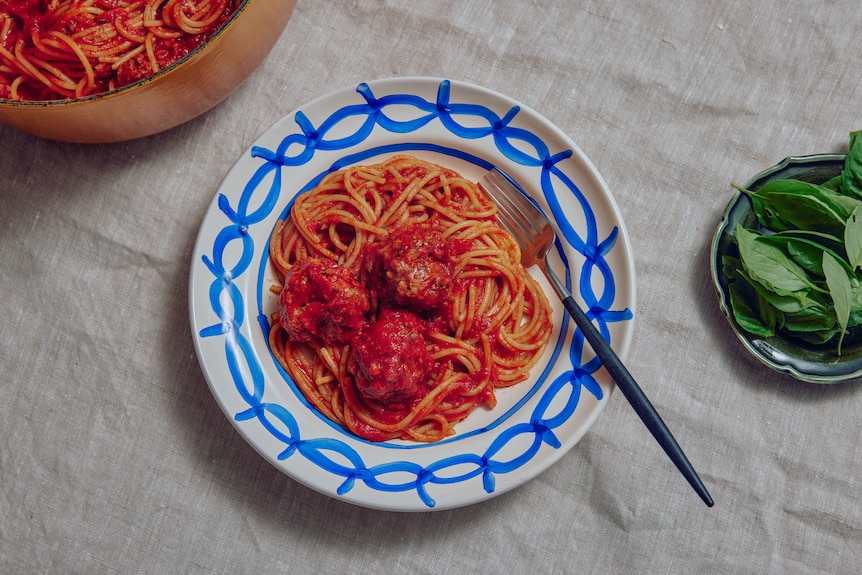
(115, 457)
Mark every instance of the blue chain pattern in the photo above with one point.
(265, 187)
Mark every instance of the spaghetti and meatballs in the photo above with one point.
(403, 303)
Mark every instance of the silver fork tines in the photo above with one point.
(527, 224)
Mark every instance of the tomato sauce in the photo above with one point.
(166, 50)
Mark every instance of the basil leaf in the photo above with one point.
(786, 303)
(769, 265)
(846, 204)
(814, 319)
(833, 183)
(793, 204)
(851, 175)
(757, 318)
(828, 241)
(853, 238)
(841, 292)
(816, 337)
(856, 301)
(809, 256)
(808, 252)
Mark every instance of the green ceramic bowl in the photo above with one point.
(816, 364)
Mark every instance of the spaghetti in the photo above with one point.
(62, 49)
(403, 303)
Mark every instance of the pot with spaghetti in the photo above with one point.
(108, 70)
(403, 304)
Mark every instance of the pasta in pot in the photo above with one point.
(62, 49)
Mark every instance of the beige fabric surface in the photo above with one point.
(115, 458)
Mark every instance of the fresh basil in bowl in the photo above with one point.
(787, 265)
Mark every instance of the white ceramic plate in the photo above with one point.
(466, 128)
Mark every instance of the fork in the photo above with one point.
(535, 236)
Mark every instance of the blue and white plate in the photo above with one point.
(469, 129)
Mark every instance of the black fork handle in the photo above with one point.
(636, 397)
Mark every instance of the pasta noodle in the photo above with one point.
(62, 49)
(403, 303)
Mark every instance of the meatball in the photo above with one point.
(389, 360)
(322, 301)
(417, 267)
